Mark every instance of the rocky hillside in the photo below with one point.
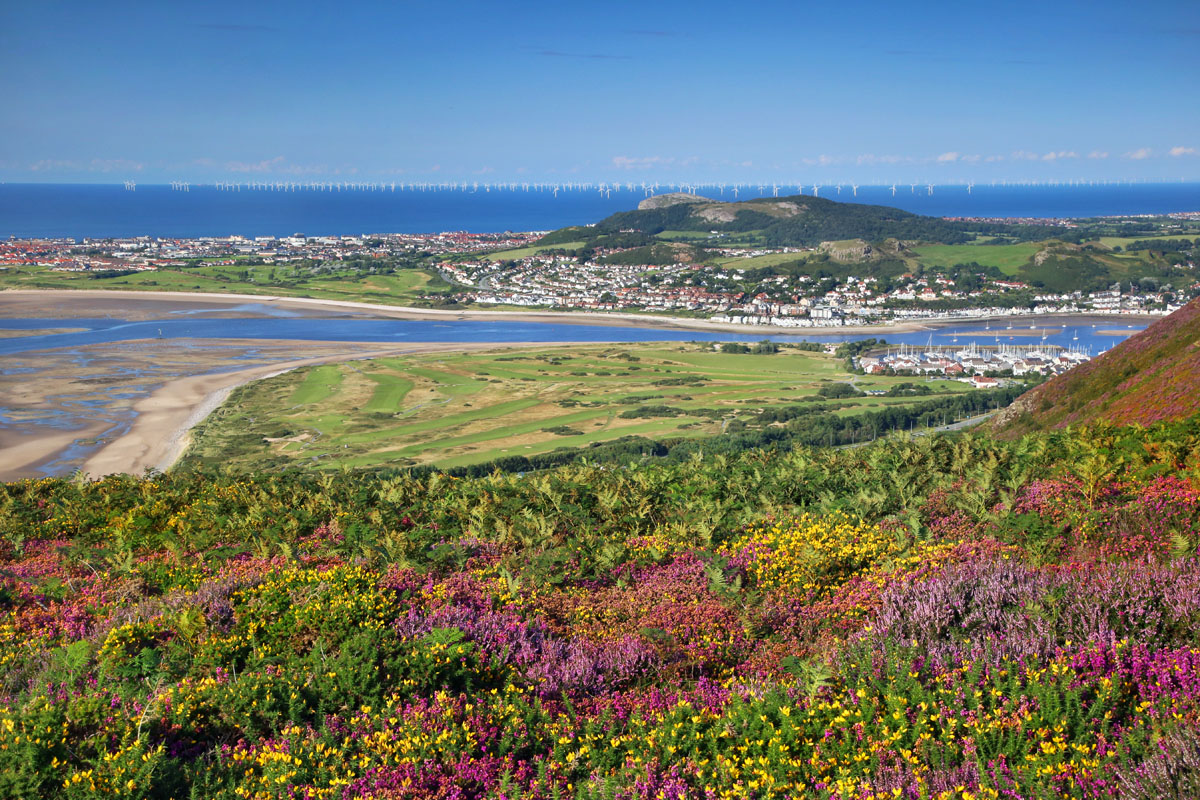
(1153, 376)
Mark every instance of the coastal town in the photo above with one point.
(788, 300)
(782, 287)
(152, 252)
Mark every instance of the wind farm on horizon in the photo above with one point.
(734, 189)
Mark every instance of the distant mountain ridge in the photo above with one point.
(1152, 376)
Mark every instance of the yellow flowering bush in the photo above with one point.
(810, 555)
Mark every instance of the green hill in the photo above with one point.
(784, 221)
(1153, 376)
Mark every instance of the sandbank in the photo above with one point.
(161, 431)
(23, 453)
(84, 300)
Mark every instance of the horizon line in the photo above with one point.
(639, 185)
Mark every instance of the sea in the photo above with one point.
(111, 210)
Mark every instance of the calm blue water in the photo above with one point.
(94, 211)
(195, 325)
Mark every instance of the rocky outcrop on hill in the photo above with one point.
(853, 250)
(671, 199)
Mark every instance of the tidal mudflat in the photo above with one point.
(59, 408)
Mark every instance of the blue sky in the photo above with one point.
(868, 92)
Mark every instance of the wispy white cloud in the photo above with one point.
(266, 165)
(1098, 154)
(50, 164)
(871, 158)
(946, 158)
(1182, 151)
(1025, 155)
(276, 166)
(95, 165)
(1060, 154)
(641, 162)
(1140, 153)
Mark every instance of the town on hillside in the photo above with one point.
(508, 269)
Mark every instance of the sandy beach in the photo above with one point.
(98, 302)
(161, 431)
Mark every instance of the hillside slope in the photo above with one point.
(1153, 376)
(797, 220)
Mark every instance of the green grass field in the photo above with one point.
(400, 288)
(525, 252)
(683, 235)
(460, 409)
(754, 262)
(1007, 257)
